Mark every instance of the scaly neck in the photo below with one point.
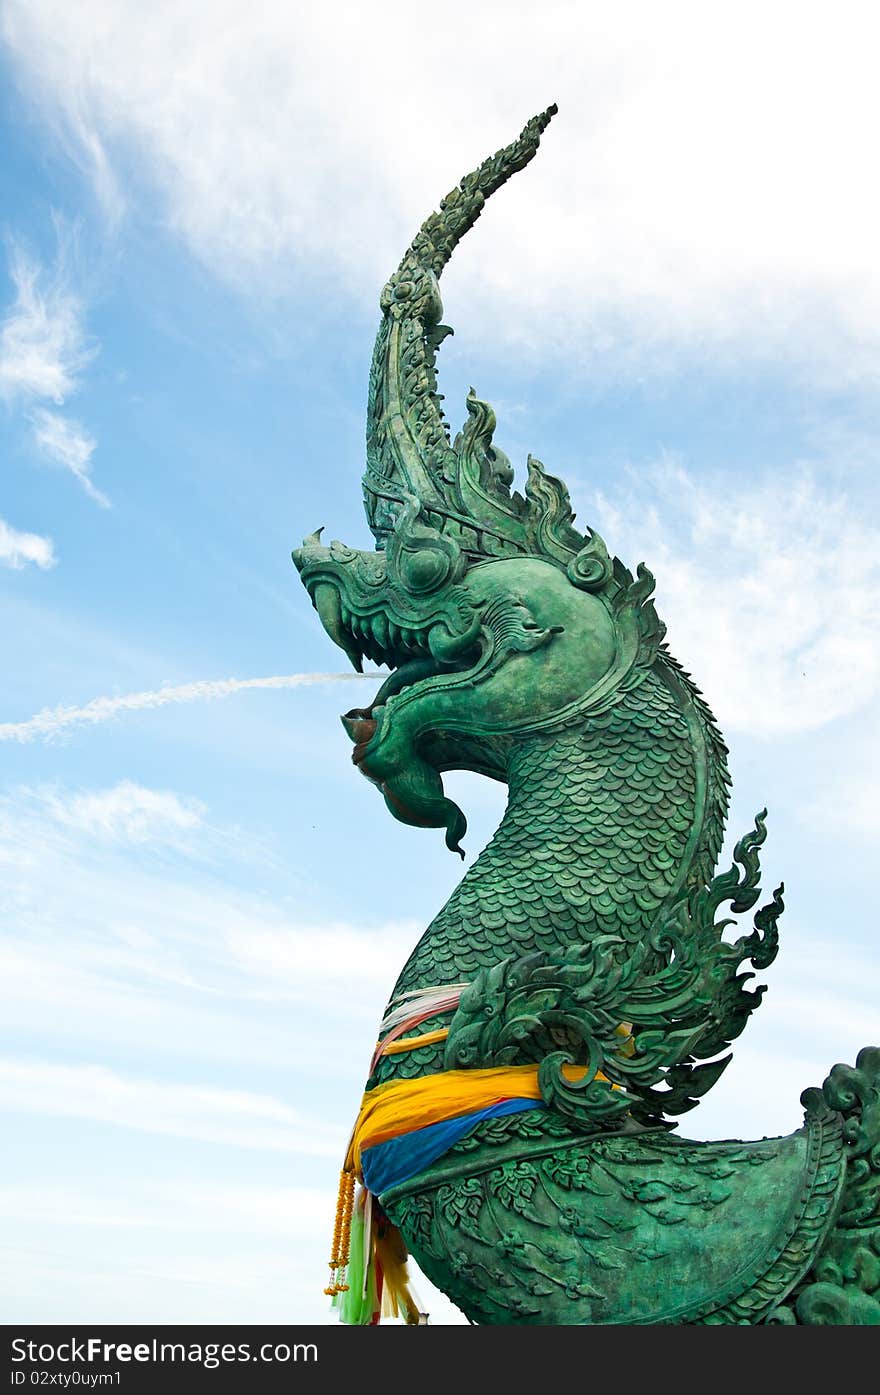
(604, 823)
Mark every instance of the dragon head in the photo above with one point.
(495, 616)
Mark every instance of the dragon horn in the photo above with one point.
(408, 444)
(441, 233)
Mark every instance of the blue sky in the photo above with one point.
(675, 307)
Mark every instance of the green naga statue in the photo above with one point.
(577, 991)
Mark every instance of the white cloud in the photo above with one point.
(66, 443)
(17, 549)
(186, 1206)
(128, 812)
(52, 720)
(250, 1023)
(145, 938)
(293, 960)
(43, 347)
(768, 590)
(94, 1092)
(694, 194)
(194, 1249)
(43, 352)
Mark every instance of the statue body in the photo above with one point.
(583, 942)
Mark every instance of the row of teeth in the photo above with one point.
(377, 635)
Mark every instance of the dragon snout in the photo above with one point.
(300, 554)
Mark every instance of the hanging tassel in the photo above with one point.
(341, 1243)
(358, 1301)
(371, 1280)
(398, 1299)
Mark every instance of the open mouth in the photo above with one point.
(361, 722)
(405, 649)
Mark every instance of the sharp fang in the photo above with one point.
(326, 601)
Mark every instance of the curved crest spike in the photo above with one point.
(464, 489)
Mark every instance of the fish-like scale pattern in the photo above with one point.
(593, 841)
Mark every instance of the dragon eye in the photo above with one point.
(425, 569)
(420, 558)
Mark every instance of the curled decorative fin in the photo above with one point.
(607, 1006)
(550, 516)
(590, 569)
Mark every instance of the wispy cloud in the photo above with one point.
(193, 1244)
(640, 233)
(290, 960)
(128, 916)
(128, 813)
(768, 590)
(44, 350)
(109, 960)
(187, 1111)
(65, 442)
(188, 1205)
(43, 346)
(17, 549)
(51, 721)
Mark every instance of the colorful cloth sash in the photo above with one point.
(387, 1164)
(409, 1011)
(403, 1126)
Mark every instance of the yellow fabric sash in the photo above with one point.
(401, 1106)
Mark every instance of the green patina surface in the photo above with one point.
(521, 649)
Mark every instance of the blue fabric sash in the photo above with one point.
(387, 1164)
